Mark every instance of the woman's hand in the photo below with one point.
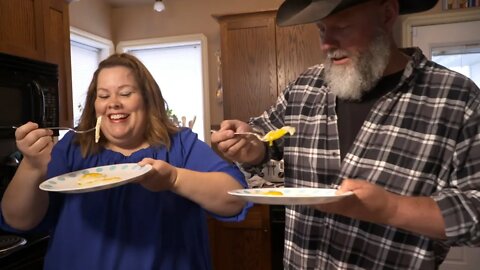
(207, 189)
(161, 177)
(35, 144)
(23, 204)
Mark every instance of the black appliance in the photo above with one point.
(28, 92)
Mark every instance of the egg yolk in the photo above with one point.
(94, 178)
(273, 192)
(93, 175)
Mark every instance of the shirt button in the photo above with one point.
(331, 118)
(335, 154)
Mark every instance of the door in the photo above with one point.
(458, 50)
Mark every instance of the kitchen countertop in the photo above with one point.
(258, 182)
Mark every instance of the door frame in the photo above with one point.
(445, 17)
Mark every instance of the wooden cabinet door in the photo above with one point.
(298, 47)
(21, 31)
(57, 51)
(259, 59)
(242, 245)
(39, 29)
(249, 69)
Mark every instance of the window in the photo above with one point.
(87, 50)
(464, 59)
(179, 66)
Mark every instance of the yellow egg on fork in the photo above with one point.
(277, 134)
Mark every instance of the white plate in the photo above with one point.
(290, 196)
(122, 174)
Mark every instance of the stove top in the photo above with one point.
(22, 252)
(10, 242)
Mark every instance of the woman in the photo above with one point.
(159, 223)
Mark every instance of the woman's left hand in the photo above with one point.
(161, 177)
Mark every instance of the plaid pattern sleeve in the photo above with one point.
(420, 139)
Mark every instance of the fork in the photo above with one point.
(58, 128)
(260, 137)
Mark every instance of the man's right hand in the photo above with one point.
(243, 149)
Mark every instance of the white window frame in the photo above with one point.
(453, 16)
(105, 45)
(200, 39)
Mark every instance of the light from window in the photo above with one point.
(178, 68)
(463, 59)
(87, 50)
(85, 61)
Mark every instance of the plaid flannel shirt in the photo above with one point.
(420, 139)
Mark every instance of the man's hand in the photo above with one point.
(372, 203)
(243, 149)
(368, 203)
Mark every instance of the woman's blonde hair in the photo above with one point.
(159, 127)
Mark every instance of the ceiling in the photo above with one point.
(126, 3)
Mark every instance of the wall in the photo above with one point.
(93, 16)
(398, 27)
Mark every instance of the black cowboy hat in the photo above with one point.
(293, 12)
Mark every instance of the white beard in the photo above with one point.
(351, 81)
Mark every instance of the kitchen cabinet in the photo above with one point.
(57, 50)
(21, 28)
(242, 245)
(39, 29)
(259, 59)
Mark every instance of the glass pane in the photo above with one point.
(463, 59)
(85, 60)
(178, 72)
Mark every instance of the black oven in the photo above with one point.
(28, 92)
(277, 228)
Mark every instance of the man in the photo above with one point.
(401, 132)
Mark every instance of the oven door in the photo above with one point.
(277, 228)
(22, 101)
(25, 255)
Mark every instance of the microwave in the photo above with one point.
(28, 92)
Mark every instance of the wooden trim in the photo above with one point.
(249, 13)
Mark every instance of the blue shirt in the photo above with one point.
(130, 227)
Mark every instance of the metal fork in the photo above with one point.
(260, 137)
(59, 128)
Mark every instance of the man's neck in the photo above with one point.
(398, 60)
